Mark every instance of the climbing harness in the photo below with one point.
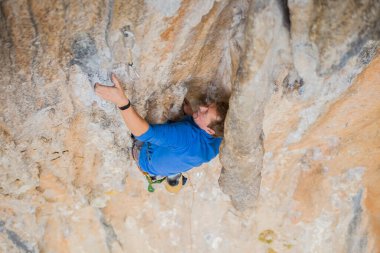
(171, 182)
(135, 150)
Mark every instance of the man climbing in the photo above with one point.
(171, 148)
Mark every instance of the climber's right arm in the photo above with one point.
(135, 123)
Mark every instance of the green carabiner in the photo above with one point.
(151, 182)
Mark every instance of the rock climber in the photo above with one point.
(167, 150)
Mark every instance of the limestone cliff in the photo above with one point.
(300, 162)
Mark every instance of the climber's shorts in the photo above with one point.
(136, 147)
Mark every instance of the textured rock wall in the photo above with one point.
(296, 49)
(300, 156)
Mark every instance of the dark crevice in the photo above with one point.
(285, 13)
(109, 21)
(111, 235)
(18, 242)
(35, 41)
(356, 241)
(8, 41)
(63, 36)
(15, 238)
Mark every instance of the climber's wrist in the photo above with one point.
(123, 102)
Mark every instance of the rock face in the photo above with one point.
(300, 162)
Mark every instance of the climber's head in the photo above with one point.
(210, 117)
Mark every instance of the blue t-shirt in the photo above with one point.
(176, 147)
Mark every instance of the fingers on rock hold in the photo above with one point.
(114, 79)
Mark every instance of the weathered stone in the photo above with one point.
(266, 48)
(300, 155)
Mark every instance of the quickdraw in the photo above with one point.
(129, 43)
(151, 181)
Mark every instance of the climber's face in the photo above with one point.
(204, 116)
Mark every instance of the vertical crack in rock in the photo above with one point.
(15, 238)
(35, 42)
(7, 38)
(356, 241)
(109, 22)
(111, 236)
(286, 13)
(63, 37)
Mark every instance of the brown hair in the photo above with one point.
(218, 125)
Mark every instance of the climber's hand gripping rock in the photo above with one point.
(113, 94)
